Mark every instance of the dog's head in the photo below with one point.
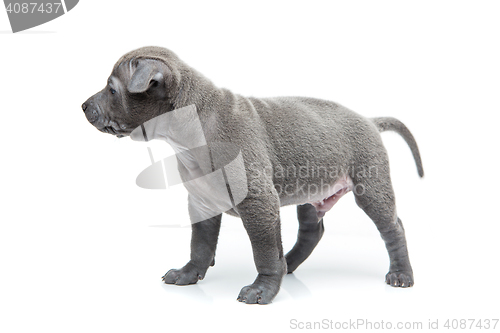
(139, 88)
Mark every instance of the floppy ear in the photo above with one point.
(146, 76)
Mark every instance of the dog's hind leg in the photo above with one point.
(374, 194)
(310, 232)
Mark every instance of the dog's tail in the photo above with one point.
(392, 124)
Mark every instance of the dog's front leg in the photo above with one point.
(204, 237)
(260, 217)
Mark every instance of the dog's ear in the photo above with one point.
(149, 74)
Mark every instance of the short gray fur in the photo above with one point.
(272, 133)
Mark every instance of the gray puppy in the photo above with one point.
(297, 151)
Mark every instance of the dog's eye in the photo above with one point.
(112, 91)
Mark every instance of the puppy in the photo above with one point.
(295, 151)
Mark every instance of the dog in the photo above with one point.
(337, 150)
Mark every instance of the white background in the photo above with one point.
(83, 248)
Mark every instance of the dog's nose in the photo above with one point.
(84, 107)
(92, 115)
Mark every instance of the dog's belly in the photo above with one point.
(341, 187)
(322, 201)
(323, 197)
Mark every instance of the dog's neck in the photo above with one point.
(196, 89)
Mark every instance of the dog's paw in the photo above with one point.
(399, 279)
(188, 274)
(262, 291)
(256, 294)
